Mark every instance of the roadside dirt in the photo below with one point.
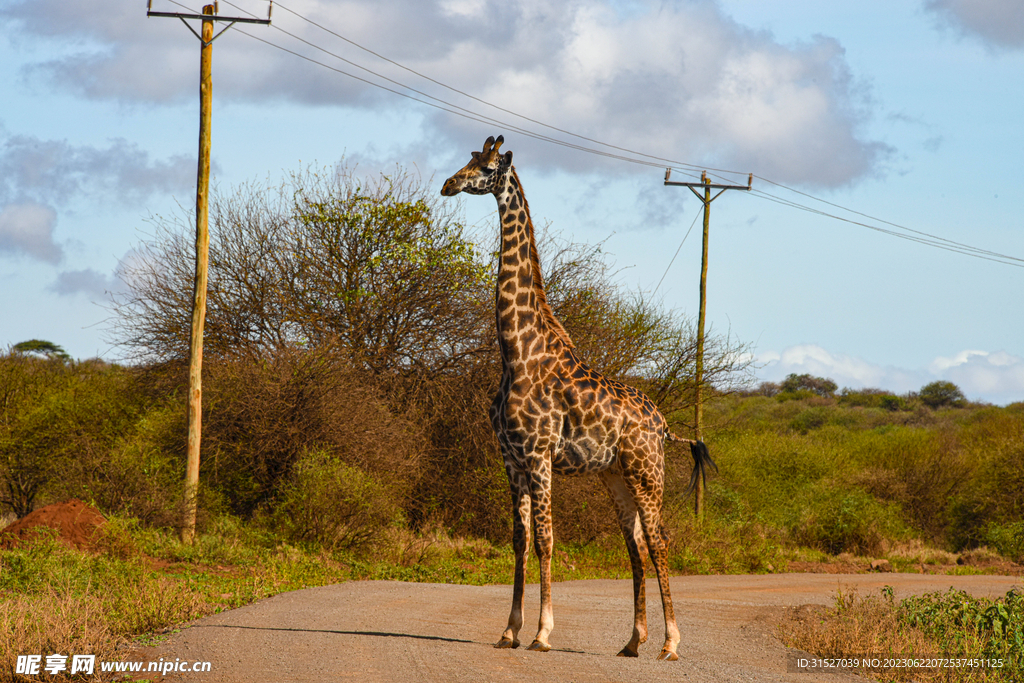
(389, 631)
(75, 522)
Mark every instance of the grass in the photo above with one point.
(54, 599)
(951, 625)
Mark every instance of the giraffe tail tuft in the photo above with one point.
(701, 460)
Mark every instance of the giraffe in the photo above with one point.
(555, 415)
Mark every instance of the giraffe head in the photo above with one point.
(485, 172)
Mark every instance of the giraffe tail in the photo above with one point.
(701, 460)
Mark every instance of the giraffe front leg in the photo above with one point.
(544, 538)
(521, 545)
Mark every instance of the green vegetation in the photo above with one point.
(953, 623)
(838, 475)
(350, 364)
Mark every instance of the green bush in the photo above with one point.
(942, 394)
(822, 386)
(890, 402)
(965, 625)
(1007, 539)
(59, 423)
(838, 521)
(812, 418)
(333, 504)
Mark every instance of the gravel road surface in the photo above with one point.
(390, 631)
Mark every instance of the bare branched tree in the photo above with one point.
(370, 267)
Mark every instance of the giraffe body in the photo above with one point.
(555, 415)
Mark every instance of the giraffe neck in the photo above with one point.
(524, 318)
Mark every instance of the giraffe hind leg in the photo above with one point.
(650, 518)
(648, 501)
(632, 533)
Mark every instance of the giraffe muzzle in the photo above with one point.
(450, 188)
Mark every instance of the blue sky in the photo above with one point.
(907, 111)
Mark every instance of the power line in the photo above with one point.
(661, 161)
(895, 225)
(669, 266)
(936, 242)
(451, 108)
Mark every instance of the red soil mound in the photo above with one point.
(75, 522)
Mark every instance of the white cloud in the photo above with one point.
(941, 364)
(985, 374)
(998, 23)
(677, 80)
(27, 228)
(36, 175)
(55, 171)
(997, 377)
(89, 282)
(844, 370)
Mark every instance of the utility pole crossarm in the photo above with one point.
(710, 186)
(211, 17)
(208, 17)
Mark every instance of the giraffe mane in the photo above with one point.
(547, 314)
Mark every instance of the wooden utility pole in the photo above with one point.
(698, 406)
(195, 360)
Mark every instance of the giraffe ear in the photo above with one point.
(506, 160)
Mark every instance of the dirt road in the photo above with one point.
(390, 631)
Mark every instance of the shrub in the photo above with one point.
(838, 521)
(991, 504)
(872, 398)
(138, 474)
(336, 505)
(812, 418)
(60, 417)
(941, 395)
(920, 470)
(964, 625)
(893, 403)
(262, 416)
(821, 386)
(1007, 538)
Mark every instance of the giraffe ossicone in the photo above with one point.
(555, 415)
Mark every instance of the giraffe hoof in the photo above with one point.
(506, 644)
(538, 646)
(626, 652)
(667, 655)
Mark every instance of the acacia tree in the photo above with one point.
(822, 386)
(370, 267)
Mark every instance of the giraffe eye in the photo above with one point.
(486, 170)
